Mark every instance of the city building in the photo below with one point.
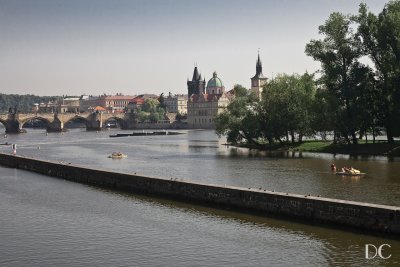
(176, 103)
(204, 106)
(69, 104)
(114, 104)
(258, 81)
(49, 107)
(135, 104)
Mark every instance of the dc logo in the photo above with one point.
(371, 251)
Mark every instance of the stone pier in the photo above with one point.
(310, 209)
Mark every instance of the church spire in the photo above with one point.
(195, 74)
(258, 65)
(259, 73)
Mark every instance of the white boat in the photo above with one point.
(117, 155)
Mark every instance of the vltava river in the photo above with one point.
(51, 222)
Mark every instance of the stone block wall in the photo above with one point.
(371, 217)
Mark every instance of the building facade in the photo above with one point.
(203, 107)
(258, 81)
(114, 104)
(69, 104)
(176, 103)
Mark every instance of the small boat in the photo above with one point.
(117, 155)
(350, 173)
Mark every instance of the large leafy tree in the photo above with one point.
(342, 73)
(286, 106)
(240, 122)
(380, 40)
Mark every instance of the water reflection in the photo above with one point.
(245, 152)
(72, 224)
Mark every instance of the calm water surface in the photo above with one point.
(51, 222)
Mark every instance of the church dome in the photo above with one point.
(215, 81)
(215, 85)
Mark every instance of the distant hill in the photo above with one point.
(23, 103)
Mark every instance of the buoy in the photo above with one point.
(14, 147)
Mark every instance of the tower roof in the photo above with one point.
(196, 75)
(259, 73)
(215, 81)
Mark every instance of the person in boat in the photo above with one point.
(350, 170)
(354, 171)
(346, 169)
(333, 167)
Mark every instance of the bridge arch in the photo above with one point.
(45, 120)
(120, 121)
(4, 123)
(78, 119)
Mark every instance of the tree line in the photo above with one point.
(356, 92)
(23, 103)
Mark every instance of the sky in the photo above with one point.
(74, 47)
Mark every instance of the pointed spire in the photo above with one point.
(195, 74)
(258, 65)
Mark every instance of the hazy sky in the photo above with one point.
(56, 47)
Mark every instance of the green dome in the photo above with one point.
(215, 81)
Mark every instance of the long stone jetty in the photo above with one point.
(310, 209)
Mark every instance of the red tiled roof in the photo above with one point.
(119, 97)
(137, 100)
(99, 108)
(205, 97)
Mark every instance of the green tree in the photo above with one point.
(286, 107)
(240, 91)
(342, 73)
(380, 40)
(240, 121)
(24, 103)
(142, 116)
(150, 105)
(154, 117)
(161, 101)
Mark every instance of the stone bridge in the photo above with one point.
(13, 122)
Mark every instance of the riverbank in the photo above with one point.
(379, 148)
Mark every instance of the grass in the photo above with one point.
(379, 148)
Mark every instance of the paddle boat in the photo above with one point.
(350, 172)
(117, 155)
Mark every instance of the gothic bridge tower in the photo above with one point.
(196, 85)
(258, 81)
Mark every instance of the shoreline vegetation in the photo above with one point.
(348, 97)
(380, 148)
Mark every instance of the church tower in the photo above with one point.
(258, 81)
(196, 85)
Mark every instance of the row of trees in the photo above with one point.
(288, 110)
(23, 103)
(357, 90)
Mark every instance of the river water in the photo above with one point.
(51, 222)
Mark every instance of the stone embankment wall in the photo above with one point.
(371, 217)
